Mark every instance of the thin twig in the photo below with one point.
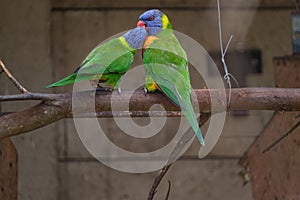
(120, 114)
(181, 144)
(157, 181)
(12, 78)
(186, 138)
(32, 96)
(125, 114)
(282, 137)
(169, 190)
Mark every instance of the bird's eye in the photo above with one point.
(151, 18)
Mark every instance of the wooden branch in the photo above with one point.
(12, 78)
(58, 106)
(32, 96)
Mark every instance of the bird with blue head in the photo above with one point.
(166, 64)
(107, 63)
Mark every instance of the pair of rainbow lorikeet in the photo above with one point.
(165, 62)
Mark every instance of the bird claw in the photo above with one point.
(145, 90)
(108, 89)
(119, 90)
(104, 89)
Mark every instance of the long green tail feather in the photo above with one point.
(71, 79)
(188, 111)
(186, 108)
(65, 81)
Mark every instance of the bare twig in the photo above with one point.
(282, 137)
(184, 140)
(181, 144)
(32, 96)
(121, 114)
(157, 181)
(169, 190)
(13, 80)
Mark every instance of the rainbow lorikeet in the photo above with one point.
(166, 64)
(108, 62)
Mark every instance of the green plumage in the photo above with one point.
(108, 62)
(101, 64)
(166, 64)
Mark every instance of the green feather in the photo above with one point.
(166, 63)
(108, 62)
(67, 80)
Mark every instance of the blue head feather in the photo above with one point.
(153, 21)
(135, 37)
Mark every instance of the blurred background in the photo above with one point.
(43, 41)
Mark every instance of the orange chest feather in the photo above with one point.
(148, 41)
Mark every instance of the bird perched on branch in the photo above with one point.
(108, 62)
(166, 64)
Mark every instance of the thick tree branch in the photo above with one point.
(58, 106)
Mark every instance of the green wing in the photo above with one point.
(107, 63)
(166, 63)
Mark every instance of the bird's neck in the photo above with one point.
(126, 43)
(165, 22)
(148, 41)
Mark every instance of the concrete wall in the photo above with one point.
(24, 47)
(41, 45)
